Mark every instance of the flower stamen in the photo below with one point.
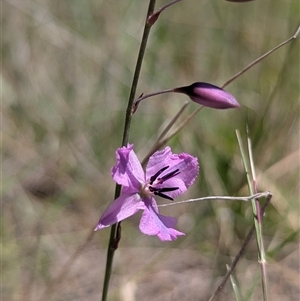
(159, 191)
(168, 176)
(153, 178)
(163, 195)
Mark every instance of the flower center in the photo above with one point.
(151, 188)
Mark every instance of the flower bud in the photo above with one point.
(209, 95)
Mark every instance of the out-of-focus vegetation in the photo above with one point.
(66, 74)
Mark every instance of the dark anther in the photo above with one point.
(163, 189)
(153, 178)
(169, 176)
(166, 189)
(159, 191)
(163, 195)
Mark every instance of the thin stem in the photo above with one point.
(261, 58)
(240, 253)
(153, 18)
(255, 208)
(256, 204)
(225, 198)
(157, 143)
(174, 119)
(137, 74)
(249, 180)
(142, 97)
(168, 5)
(115, 233)
(160, 142)
(180, 126)
(234, 285)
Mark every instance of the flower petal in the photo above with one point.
(186, 165)
(153, 223)
(121, 208)
(128, 170)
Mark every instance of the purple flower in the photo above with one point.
(209, 95)
(167, 175)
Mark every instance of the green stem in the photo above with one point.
(137, 74)
(234, 285)
(168, 5)
(225, 198)
(240, 253)
(251, 190)
(256, 210)
(142, 97)
(261, 58)
(157, 144)
(115, 233)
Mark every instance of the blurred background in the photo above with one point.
(67, 68)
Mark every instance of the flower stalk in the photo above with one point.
(153, 18)
(224, 198)
(115, 233)
(252, 64)
(205, 94)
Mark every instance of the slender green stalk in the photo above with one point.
(137, 74)
(157, 143)
(234, 285)
(254, 228)
(160, 141)
(256, 204)
(115, 234)
(240, 253)
(249, 180)
(256, 211)
(180, 126)
(261, 58)
(153, 18)
(224, 198)
(142, 97)
(167, 5)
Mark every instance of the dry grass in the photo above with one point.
(66, 72)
